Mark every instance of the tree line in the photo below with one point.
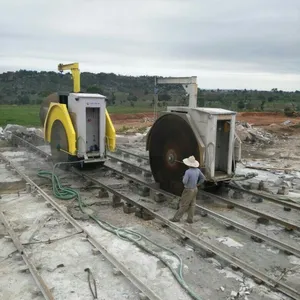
(31, 87)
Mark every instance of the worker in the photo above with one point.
(192, 179)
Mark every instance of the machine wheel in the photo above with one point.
(171, 140)
(59, 141)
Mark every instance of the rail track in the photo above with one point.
(25, 256)
(288, 224)
(141, 286)
(247, 268)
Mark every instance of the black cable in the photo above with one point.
(95, 294)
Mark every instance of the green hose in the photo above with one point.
(64, 193)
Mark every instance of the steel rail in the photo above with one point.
(266, 238)
(132, 154)
(29, 145)
(252, 271)
(128, 163)
(268, 198)
(119, 265)
(34, 272)
(280, 245)
(244, 228)
(253, 211)
(280, 286)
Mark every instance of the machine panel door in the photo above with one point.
(92, 129)
(222, 146)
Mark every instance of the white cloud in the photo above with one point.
(227, 44)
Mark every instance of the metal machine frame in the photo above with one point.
(188, 83)
(70, 111)
(211, 139)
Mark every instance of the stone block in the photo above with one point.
(234, 267)
(95, 251)
(262, 220)
(28, 188)
(24, 269)
(143, 296)
(256, 199)
(128, 208)
(138, 213)
(237, 195)
(147, 216)
(144, 191)
(173, 204)
(147, 174)
(254, 185)
(116, 272)
(256, 239)
(158, 197)
(103, 193)
(283, 191)
(116, 201)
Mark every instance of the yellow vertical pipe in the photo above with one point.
(110, 132)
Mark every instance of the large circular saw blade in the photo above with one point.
(59, 142)
(171, 140)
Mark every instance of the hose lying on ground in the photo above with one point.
(64, 193)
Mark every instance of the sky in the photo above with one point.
(227, 44)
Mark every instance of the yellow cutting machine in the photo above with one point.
(77, 125)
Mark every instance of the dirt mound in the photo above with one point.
(265, 118)
(282, 129)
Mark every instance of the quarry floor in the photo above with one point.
(204, 274)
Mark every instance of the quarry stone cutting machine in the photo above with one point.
(77, 125)
(206, 133)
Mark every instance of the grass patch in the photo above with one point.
(28, 115)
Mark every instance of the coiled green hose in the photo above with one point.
(64, 193)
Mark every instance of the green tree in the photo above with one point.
(262, 105)
(241, 104)
(200, 98)
(131, 97)
(164, 97)
(24, 99)
(94, 89)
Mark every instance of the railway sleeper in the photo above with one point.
(116, 201)
(103, 193)
(144, 214)
(129, 208)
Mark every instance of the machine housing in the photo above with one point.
(206, 133)
(87, 112)
(214, 129)
(77, 125)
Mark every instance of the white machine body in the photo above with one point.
(87, 112)
(214, 129)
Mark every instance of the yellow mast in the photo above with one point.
(75, 74)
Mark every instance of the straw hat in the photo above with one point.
(191, 162)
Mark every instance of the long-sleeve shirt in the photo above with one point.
(192, 177)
